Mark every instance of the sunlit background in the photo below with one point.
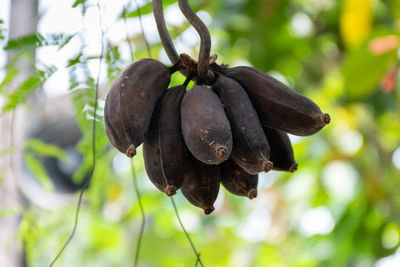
(342, 206)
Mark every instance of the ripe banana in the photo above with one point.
(277, 105)
(281, 150)
(131, 101)
(237, 181)
(250, 149)
(205, 127)
(164, 150)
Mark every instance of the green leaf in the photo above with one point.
(145, 9)
(36, 40)
(78, 2)
(395, 8)
(37, 169)
(83, 5)
(10, 211)
(363, 70)
(24, 89)
(26, 42)
(44, 149)
(10, 75)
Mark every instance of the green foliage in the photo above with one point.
(82, 4)
(345, 171)
(43, 149)
(363, 70)
(35, 151)
(145, 9)
(26, 87)
(36, 40)
(36, 167)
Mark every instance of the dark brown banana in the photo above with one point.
(238, 181)
(250, 149)
(114, 127)
(205, 127)
(131, 100)
(277, 105)
(164, 150)
(201, 185)
(281, 150)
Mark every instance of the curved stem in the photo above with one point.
(163, 32)
(205, 46)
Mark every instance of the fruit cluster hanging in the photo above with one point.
(229, 127)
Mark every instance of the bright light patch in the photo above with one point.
(190, 37)
(396, 158)
(390, 237)
(173, 15)
(240, 62)
(299, 185)
(255, 227)
(4, 15)
(390, 261)
(349, 142)
(112, 211)
(301, 25)
(341, 180)
(205, 17)
(266, 180)
(59, 18)
(220, 200)
(191, 220)
(294, 139)
(316, 221)
(121, 163)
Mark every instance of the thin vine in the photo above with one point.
(175, 59)
(142, 29)
(142, 225)
(87, 182)
(198, 261)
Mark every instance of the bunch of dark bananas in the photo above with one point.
(194, 140)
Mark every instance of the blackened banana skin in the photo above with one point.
(164, 150)
(131, 101)
(114, 127)
(201, 184)
(277, 105)
(205, 127)
(238, 181)
(281, 150)
(250, 149)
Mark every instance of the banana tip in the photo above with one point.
(326, 118)
(267, 166)
(221, 152)
(170, 190)
(252, 193)
(131, 151)
(208, 210)
(294, 166)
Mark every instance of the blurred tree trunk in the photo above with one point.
(23, 20)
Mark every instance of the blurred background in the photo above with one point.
(342, 206)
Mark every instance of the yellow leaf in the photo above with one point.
(355, 22)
